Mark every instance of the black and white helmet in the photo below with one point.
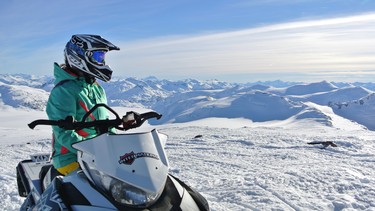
(86, 53)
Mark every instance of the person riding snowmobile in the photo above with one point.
(104, 182)
(76, 92)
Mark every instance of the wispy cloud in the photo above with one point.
(341, 45)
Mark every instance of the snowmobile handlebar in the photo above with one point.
(70, 124)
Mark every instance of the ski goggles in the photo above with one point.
(98, 57)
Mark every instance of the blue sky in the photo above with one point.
(229, 40)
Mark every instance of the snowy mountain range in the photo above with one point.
(190, 100)
(254, 146)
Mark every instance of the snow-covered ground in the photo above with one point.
(237, 164)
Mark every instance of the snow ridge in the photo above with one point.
(191, 100)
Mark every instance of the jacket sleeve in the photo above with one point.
(62, 103)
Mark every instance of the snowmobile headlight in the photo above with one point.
(121, 191)
(130, 195)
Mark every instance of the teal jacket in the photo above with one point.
(72, 96)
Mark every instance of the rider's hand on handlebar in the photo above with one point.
(131, 120)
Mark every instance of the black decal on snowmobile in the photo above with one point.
(128, 158)
(51, 197)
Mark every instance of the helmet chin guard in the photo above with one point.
(86, 53)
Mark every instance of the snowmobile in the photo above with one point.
(127, 171)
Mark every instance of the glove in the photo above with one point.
(131, 120)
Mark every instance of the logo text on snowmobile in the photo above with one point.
(40, 157)
(128, 158)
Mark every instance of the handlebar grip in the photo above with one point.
(150, 115)
(33, 124)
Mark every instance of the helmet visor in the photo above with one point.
(98, 57)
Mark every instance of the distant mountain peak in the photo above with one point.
(309, 88)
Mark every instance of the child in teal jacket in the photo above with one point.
(76, 92)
